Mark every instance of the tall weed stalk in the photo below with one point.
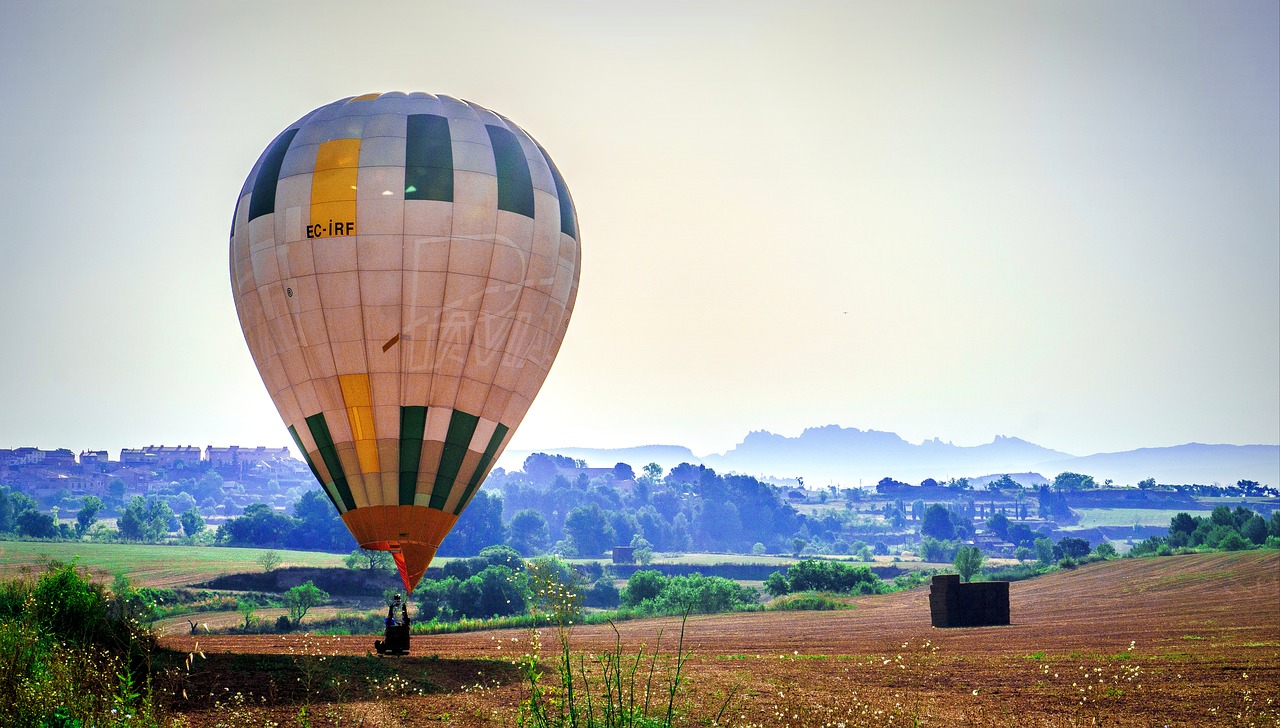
(614, 689)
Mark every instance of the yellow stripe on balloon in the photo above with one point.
(333, 189)
(358, 398)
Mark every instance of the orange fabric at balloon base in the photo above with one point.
(419, 529)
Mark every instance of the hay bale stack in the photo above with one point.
(953, 604)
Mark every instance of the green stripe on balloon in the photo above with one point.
(329, 454)
(477, 477)
(413, 422)
(568, 216)
(515, 185)
(263, 200)
(428, 158)
(462, 427)
(293, 432)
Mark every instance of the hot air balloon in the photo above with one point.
(404, 267)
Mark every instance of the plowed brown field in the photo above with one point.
(1204, 629)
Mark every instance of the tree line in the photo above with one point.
(1223, 529)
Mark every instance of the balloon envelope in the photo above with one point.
(404, 267)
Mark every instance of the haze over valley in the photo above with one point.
(848, 456)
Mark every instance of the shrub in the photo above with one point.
(603, 595)
(283, 624)
(502, 556)
(652, 593)
(940, 552)
(777, 584)
(1015, 572)
(643, 584)
(1233, 542)
(912, 579)
(1150, 546)
(69, 653)
(808, 601)
(70, 607)
(832, 576)
(968, 561)
(301, 598)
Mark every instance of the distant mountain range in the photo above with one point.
(848, 456)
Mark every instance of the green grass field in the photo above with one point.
(711, 559)
(1094, 517)
(149, 565)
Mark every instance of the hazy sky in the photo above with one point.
(1053, 220)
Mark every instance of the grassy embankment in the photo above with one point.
(148, 564)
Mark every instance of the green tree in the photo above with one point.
(88, 514)
(643, 549)
(302, 598)
(999, 525)
(369, 560)
(1073, 481)
(115, 490)
(496, 593)
(1255, 530)
(8, 512)
(1044, 550)
(259, 525)
(247, 607)
(653, 473)
(208, 486)
(499, 555)
(1004, 482)
(797, 545)
(832, 576)
(145, 519)
(268, 560)
(1222, 516)
(318, 526)
(1233, 542)
(528, 532)
(540, 468)
(181, 503)
(479, 525)
(702, 595)
(968, 561)
(1072, 547)
(589, 531)
(192, 522)
(777, 584)
(643, 584)
(1182, 523)
(1105, 550)
(937, 551)
(937, 523)
(896, 518)
(34, 524)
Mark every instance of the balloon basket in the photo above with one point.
(395, 642)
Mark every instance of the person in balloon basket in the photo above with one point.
(396, 638)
